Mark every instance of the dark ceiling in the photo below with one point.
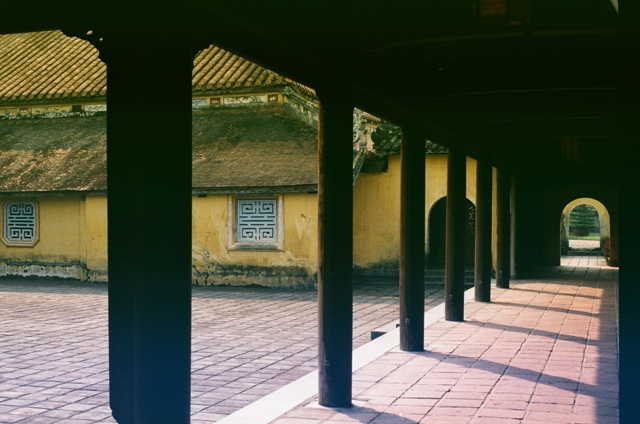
(515, 81)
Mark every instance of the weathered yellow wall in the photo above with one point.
(436, 184)
(60, 249)
(214, 263)
(471, 180)
(96, 238)
(376, 218)
(73, 233)
(73, 243)
(376, 204)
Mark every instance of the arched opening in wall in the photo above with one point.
(585, 229)
(437, 228)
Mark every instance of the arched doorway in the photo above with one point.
(437, 225)
(585, 225)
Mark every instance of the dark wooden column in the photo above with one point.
(629, 224)
(523, 216)
(149, 209)
(483, 265)
(457, 222)
(513, 228)
(335, 249)
(629, 318)
(412, 227)
(504, 229)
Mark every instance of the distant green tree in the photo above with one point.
(584, 218)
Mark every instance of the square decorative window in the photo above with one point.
(255, 223)
(20, 222)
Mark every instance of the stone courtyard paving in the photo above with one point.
(584, 244)
(246, 343)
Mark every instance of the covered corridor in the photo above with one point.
(544, 351)
(543, 92)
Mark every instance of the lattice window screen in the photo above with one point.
(257, 220)
(471, 229)
(19, 221)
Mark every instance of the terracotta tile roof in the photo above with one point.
(215, 68)
(38, 66)
(49, 65)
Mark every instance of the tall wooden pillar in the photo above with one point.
(149, 234)
(504, 229)
(629, 234)
(412, 228)
(483, 265)
(513, 239)
(523, 206)
(629, 280)
(457, 222)
(335, 249)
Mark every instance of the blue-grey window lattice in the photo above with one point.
(19, 221)
(257, 220)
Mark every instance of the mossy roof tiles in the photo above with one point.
(232, 149)
(46, 155)
(39, 66)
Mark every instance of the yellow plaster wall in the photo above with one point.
(215, 263)
(376, 204)
(301, 229)
(96, 237)
(60, 228)
(73, 232)
(376, 217)
(60, 249)
(436, 184)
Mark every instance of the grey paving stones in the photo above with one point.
(247, 343)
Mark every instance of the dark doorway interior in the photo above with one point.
(437, 234)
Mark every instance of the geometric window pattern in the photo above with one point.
(19, 222)
(257, 220)
(471, 229)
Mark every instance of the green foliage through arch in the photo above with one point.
(584, 218)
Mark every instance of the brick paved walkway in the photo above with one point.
(544, 351)
(584, 261)
(247, 342)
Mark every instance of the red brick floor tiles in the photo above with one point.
(544, 351)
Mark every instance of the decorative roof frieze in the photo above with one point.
(387, 140)
(52, 111)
